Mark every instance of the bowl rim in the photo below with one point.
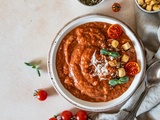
(81, 106)
(156, 11)
(91, 5)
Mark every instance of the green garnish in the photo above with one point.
(113, 82)
(90, 2)
(116, 81)
(34, 66)
(123, 80)
(106, 52)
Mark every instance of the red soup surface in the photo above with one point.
(91, 61)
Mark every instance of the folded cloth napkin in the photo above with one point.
(148, 29)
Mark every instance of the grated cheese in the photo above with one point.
(111, 58)
(100, 67)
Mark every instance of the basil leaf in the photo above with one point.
(106, 52)
(116, 81)
(113, 82)
(123, 79)
(114, 54)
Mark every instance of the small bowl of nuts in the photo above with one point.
(149, 6)
(90, 2)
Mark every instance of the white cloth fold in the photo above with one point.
(149, 31)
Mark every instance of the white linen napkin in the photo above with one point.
(148, 29)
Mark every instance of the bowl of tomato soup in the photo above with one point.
(96, 62)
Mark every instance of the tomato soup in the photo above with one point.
(91, 61)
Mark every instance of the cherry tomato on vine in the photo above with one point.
(116, 7)
(66, 115)
(81, 115)
(40, 94)
(114, 31)
(132, 68)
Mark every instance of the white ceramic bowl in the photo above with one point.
(95, 106)
(90, 5)
(144, 9)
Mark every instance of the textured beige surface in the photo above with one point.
(27, 29)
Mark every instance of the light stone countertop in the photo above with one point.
(27, 29)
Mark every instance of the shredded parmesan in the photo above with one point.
(111, 58)
(100, 67)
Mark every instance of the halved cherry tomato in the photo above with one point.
(40, 94)
(66, 115)
(116, 7)
(114, 31)
(132, 68)
(81, 115)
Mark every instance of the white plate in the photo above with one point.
(97, 106)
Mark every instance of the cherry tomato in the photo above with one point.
(132, 68)
(40, 94)
(53, 118)
(66, 115)
(81, 115)
(114, 31)
(116, 7)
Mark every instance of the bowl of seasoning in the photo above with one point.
(96, 62)
(148, 6)
(90, 2)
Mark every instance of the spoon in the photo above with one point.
(152, 78)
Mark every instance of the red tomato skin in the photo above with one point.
(114, 31)
(66, 115)
(53, 118)
(40, 94)
(132, 68)
(116, 7)
(81, 115)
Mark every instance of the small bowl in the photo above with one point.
(95, 106)
(144, 9)
(97, 2)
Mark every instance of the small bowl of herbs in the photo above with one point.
(90, 2)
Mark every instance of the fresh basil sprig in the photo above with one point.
(121, 80)
(106, 52)
(34, 66)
